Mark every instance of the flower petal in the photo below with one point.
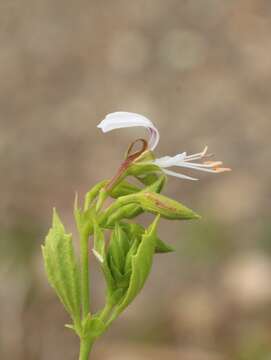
(122, 119)
(178, 175)
(168, 161)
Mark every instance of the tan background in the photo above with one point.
(201, 70)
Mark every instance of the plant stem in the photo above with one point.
(106, 312)
(85, 348)
(85, 278)
(113, 316)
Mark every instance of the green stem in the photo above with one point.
(85, 278)
(113, 316)
(106, 312)
(85, 349)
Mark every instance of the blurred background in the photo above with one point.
(201, 70)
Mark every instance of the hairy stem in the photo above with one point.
(85, 278)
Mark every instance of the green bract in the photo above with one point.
(62, 269)
(123, 248)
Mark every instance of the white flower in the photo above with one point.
(121, 119)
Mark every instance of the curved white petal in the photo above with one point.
(178, 175)
(122, 119)
(168, 161)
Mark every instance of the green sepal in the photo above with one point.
(62, 268)
(140, 265)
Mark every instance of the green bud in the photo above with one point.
(118, 248)
(159, 204)
(125, 212)
(139, 169)
(124, 188)
(147, 179)
(118, 212)
(141, 263)
(157, 185)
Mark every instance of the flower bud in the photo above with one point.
(160, 204)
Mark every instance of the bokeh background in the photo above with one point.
(201, 70)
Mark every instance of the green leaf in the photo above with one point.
(141, 265)
(62, 268)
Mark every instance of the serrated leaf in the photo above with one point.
(62, 268)
(141, 265)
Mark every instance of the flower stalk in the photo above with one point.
(126, 259)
